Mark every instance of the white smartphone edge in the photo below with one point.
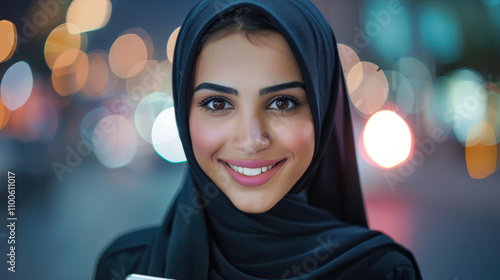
(144, 277)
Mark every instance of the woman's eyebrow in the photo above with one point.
(266, 90)
(215, 87)
(281, 87)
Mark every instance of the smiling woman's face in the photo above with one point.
(251, 126)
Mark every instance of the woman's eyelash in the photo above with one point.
(205, 103)
(296, 102)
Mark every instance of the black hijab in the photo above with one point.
(319, 228)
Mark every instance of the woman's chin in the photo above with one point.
(253, 206)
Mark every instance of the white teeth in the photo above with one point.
(255, 171)
(251, 171)
(247, 171)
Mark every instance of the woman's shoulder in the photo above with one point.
(391, 262)
(375, 255)
(125, 254)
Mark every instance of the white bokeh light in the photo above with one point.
(148, 110)
(387, 139)
(165, 137)
(114, 141)
(17, 85)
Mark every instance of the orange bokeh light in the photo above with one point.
(171, 44)
(58, 42)
(481, 150)
(4, 115)
(8, 40)
(100, 79)
(128, 56)
(87, 15)
(368, 87)
(68, 78)
(348, 58)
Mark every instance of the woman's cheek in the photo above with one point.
(206, 136)
(299, 138)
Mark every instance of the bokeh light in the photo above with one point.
(144, 83)
(90, 121)
(165, 71)
(441, 32)
(387, 139)
(8, 40)
(4, 115)
(146, 38)
(386, 28)
(128, 55)
(114, 141)
(368, 87)
(481, 150)
(348, 58)
(493, 110)
(37, 120)
(71, 70)
(100, 78)
(401, 92)
(362, 150)
(354, 77)
(148, 110)
(156, 76)
(165, 137)
(59, 41)
(171, 44)
(17, 85)
(467, 98)
(420, 80)
(87, 15)
(493, 107)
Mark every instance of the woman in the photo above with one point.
(272, 190)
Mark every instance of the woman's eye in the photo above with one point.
(284, 103)
(215, 104)
(218, 104)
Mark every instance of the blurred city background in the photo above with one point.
(87, 126)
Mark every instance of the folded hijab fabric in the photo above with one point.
(317, 231)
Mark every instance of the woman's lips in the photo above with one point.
(258, 172)
(252, 163)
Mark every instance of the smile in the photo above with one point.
(252, 173)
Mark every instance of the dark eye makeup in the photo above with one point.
(219, 104)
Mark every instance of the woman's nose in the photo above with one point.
(251, 135)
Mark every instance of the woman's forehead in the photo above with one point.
(266, 58)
